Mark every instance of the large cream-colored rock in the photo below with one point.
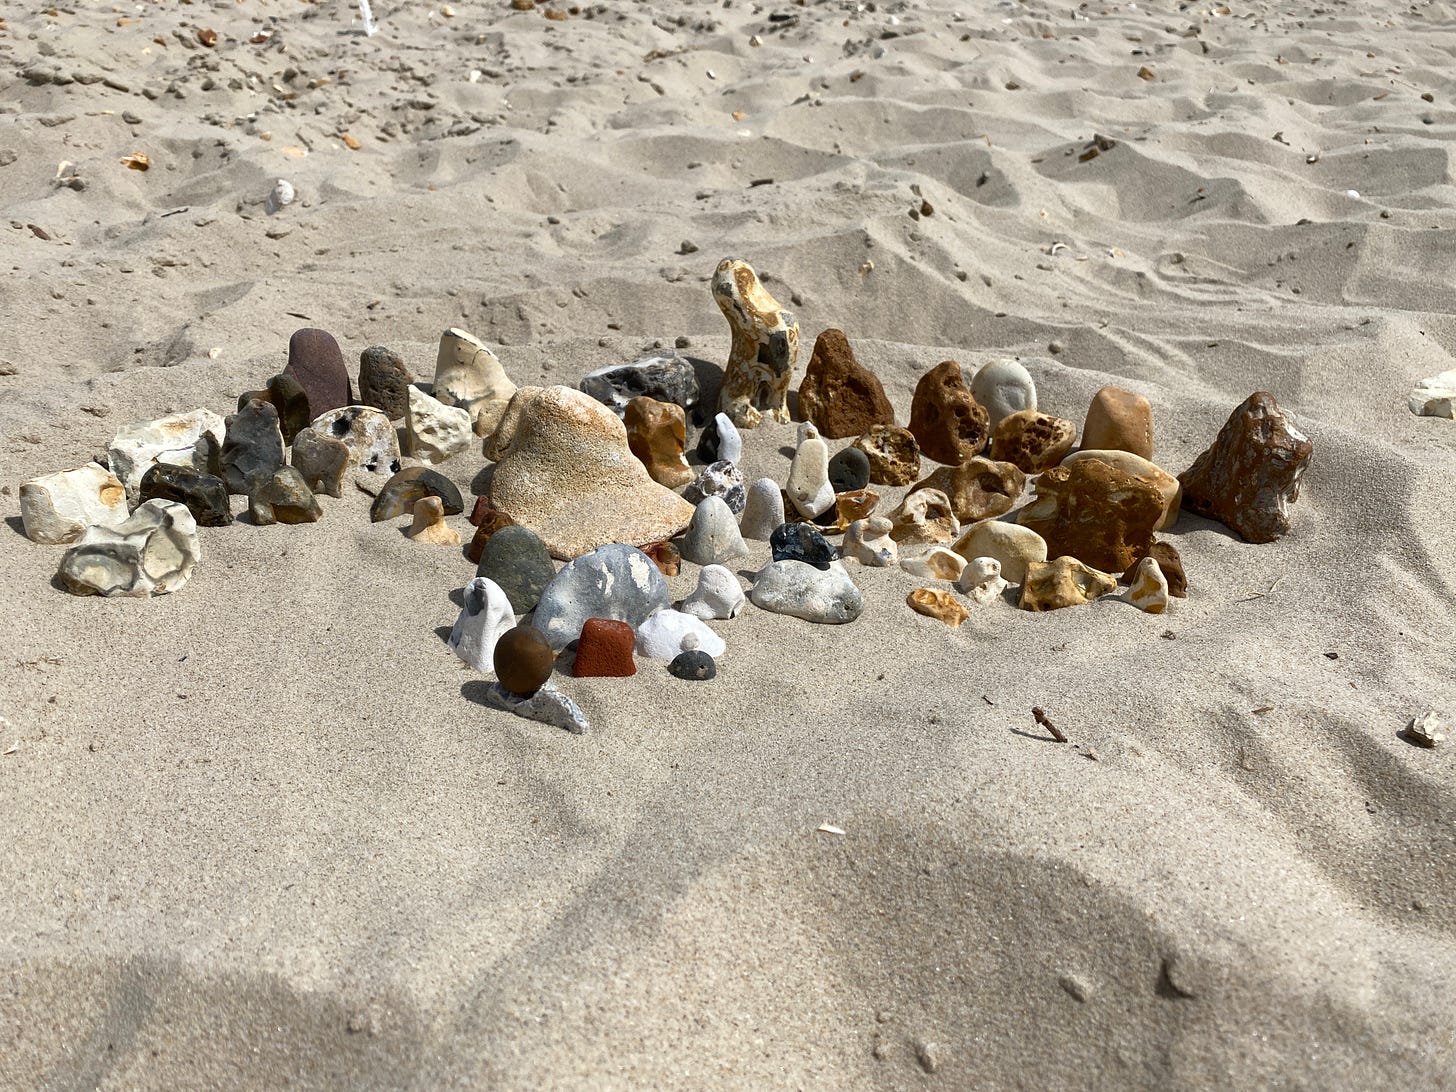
(57, 508)
(499, 441)
(570, 477)
(1014, 546)
(1169, 487)
(183, 439)
(433, 430)
(470, 377)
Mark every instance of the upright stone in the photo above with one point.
(713, 536)
(1004, 387)
(483, 620)
(253, 449)
(283, 498)
(808, 487)
(763, 510)
(947, 421)
(764, 349)
(1119, 420)
(314, 359)
(469, 376)
(657, 434)
(841, 396)
(384, 381)
(322, 461)
(435, 431)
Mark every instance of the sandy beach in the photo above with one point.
(263, 832)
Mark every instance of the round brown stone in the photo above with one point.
(523, 660)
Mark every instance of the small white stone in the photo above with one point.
(938, 563)
(667, 633)
(808, 486)
(1004, 387)
(981, 580)
(763, 510)
(435, 431)
(151, 553)
(730, 440)
(719, 594)
(1426, 730)
(868, 541)
(57, 508)
(183, 439)
(712, 536)
(1435, 396)
(367, 432)
(487, 614)
(1149, 589)
(280, 196)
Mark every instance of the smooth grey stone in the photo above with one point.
(763, 510)
(713, 537)
(519, 562)
(849, 470)
(322, 461)
(613, 581)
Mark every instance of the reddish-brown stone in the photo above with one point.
(1096, 513)
(604, 650)
(839, 394)
(487, 522)
(665, 555)
(1172, 565)
(314, 359)
(948, 422)
(1033, 441)
(1250, 475)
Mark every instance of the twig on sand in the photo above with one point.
(1262, 594)
(1041, 718)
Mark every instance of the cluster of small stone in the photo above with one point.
(598, 477)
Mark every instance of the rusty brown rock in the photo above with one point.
(893, 453)
(315, 360)
(1063, 582)
(1250, 475)
(979, 488)
(948, 422)
(1033, 441)
(657, 435)
(665, 555)
(1119, 420)
(839, 394)
(1095, 513)
(1171, 563)
(1166, 485)
(487, 520)
(604, 650)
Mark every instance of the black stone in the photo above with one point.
(695, 666)
(284, 498)
(516, 559)
(665, 378)
(849, 470)
(708, 442)
(286, 395)
(384, 381)
(205, 495)
(800, 542)
(413, 483)
(252, 449)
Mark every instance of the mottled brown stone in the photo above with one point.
(1095, 513)
(1250, 475)
(384, 381)
(1063, 582)
(839, 394)
(1033, 441)
(938, 604)
(604, 650)
(948, 422)
(1119, 420)
(924, 518)
(487, 520)
(665, 555)
(657, 435)
(1172, 565)
(979, 488)
(893, 453)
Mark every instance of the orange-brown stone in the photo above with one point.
(1171, 563)
(1095, 513)
(657, 435)
(1033, 441)
(1119, 420)
(948, 422)
(839, 394)
(893, 453)
(604, 650)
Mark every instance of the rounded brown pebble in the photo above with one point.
(1119, 420)
(604, 650)
(523, 660)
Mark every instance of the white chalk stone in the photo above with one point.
(547, 706)
(152, 553)
(802, 591)
(367, 432)
(808, 487)
(981, 580)
(183, 439)
(1011, 544)
(487, 614)
(868, 541)
(669, 632)
(712, 536)
(1004, 387)
(730, 440)
(1435, 396)
(719, 594)
(1149, 588)
(435, 431)
(469, 376)
(763, 510)
(57, 508)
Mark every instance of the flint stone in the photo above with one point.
(764, 349)
(1119, 420)
(868, 541)
(570, 477)
(184, 439)
(801, 542)
(719, 595)
(763, 510)
(946, 420)
(57, 508)
(1094, 512)
(1033, 441)
(1004, 387)
(517, 560)
(429, 524)
(495, 520)
(612, 581)
(801, 591)
(151, 553)
(893, 453)
(286, 395)
(1170, 564)
(924, 518)
(384, 381)
(1014, 546)
(314, 359)
(369, 435)
(713, 537)
(656, 433)
(547, 706)
(1149, 590)
(664, 378)
(468, 376)
(849, 470)
(1250, 475)
(485, 616)
(253, 448)
(808, 486)
(1168, 487)
(720, 440)
(1064, 582)
(721, 479)
(283, 498)
(670, 632)
(694, 666)
(205, 495)
(939, 604)
(604, 650)
(665, 555)
(399, 494)
(322, 461)
(841, 396)
(978, 489)
(434, 431)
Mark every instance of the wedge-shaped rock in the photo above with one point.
(57, 508)
(284, 498)
(1149, 589)
(979, 488)
(656, 434)
(713, 536)
(399, 494)
(802, 591)
(184, 439)
(547, 706)
(1065, 582)
(764, 350)
(839, 394)
(469, 376)
(1096, 513)
(570, 477)
(151, 553)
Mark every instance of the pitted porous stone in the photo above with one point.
(486, 615)
(841, 396)
(721, 479)
(719, 595)
(499, 442)
(981, 580)
(1064, 582)
(763, 510)
(1250, 475)
(252, 449)
(947, 421)
(57, 508)
(283, 498)
(1004, 387)
(808, 486)
(434, 431)
(469, 376)
(764, 350)
(656, 433)
(322, 461)
(1094, 512)
(924, 518)
(893, 454)
(1119, 420)
(384, 381)
(367, 432)
(1149, 588)
(978, 489)
(1033, 441)
(1168, 487)
(153, 552)
(570, 477)
(868, 541)
(669, 378)
(612, 581)
(939, 604)
(1014, 546)
(183, 439)
(802, 591)
(937, 563)
(546, 706)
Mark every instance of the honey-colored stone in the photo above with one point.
(947, 421)
(1033, 441)
(1014, 546)
(893, 453)
(1064, 582)
(979, 488)
(937, 563)
(1095, 513)
(1119, 420)
(1149, 590)
(1168, 487)
(429, 524)
(938, 604)
(657, 435)
(764, 350)
(924, 518)
(840, 395)
(665, 555)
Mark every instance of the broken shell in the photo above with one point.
(137, 161)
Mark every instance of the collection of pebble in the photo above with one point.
(597, 477)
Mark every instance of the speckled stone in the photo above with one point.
(518, 561)
(801, 542)
(612, 581)
(694, 666)
(893, 454)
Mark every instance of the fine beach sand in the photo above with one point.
(262, 832)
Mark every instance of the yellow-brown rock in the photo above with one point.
(948, 422)
(841, 396)
(1119, 420)
(657, 435)
(924, 518)
(1168, 487)
(938, 604)
(1064, 582)
(979, 488)
(1094, 512)
(1033, 441)
(1170, 564)
(893, 453)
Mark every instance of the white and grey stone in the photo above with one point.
(1003, 387)
(486, 615)
(367, 432)
(669, 632)
(719, 594)
(808, 487)
(720, 479)
(868, 541)
(57, 508)
(981, 580)
(1434, 396)
(469, 376)
(434, 431)
(712, 536)
(151, 553)
(720, 440)
(802, 591)
(669, 378)
(182, 439)
(763, 510)
(613, 581)
(547, 706)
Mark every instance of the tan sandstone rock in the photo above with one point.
(924, 518)
(1064, 582)
(1033, 441)
(1095, 513)
(893, 453)
(979, 488)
